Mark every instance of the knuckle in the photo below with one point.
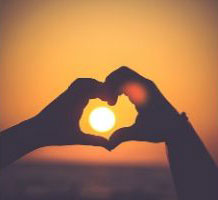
(150, 82)
(121, 72)
(80, 81)
(84, 83)
(123, 69)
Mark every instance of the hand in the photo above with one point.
(59, 121)
(156, 117)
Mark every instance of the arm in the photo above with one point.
(193, 170)
(57, 124)
(17, 141)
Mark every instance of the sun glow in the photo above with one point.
(102, 119)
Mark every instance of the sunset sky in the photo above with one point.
(47, 44)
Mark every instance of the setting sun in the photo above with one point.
(102, 119)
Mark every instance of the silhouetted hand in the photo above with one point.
(57, 124)
(194, 171)
(156, 117)
(59, 121)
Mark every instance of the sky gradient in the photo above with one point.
(47, 44)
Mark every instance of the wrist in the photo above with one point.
(35, 133)
(179, 127)
(24, 135)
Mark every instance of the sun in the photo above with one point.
(102, 119)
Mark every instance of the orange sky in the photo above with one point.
(45, 45)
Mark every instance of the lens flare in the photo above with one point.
(135, 91)
(102, 119)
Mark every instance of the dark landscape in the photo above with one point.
(28, 181)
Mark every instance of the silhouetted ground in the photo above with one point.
(83, 182)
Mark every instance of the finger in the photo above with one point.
(86, 88)
(134, 133)
(122, 74)
(88, 139)
(81, 91)
(115, 80)
(121, 135)
(127, 81)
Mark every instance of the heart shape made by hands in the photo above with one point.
(155, 114)
(121, 118)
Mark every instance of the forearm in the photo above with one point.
(17, 141)
(194, 172)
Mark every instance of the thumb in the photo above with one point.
(121, 135)
(87, 139)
